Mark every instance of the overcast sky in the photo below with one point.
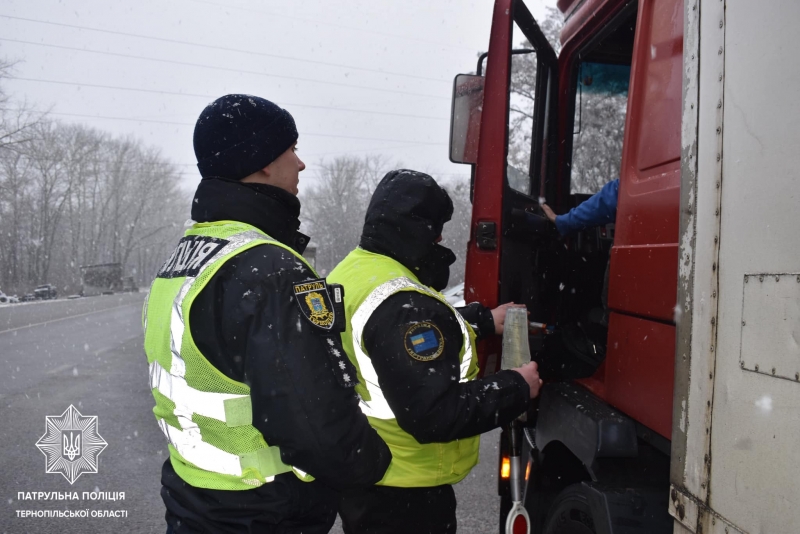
(359, 76)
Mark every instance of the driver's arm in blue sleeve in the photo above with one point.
(599, 209)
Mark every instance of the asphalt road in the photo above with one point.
(88, 353)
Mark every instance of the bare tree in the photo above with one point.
(47, 156)
(72, 196)
(523, 92)
(455, 234)
(597, 143)
(15, 204)
(16, 121)
(334, 209)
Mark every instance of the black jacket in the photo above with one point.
(247, 323)
(405, 216)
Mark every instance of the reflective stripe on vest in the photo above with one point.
(378, 407)
(188, 400)
(188, 442)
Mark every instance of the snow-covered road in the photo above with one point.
(91, 356)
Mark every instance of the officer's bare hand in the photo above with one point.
(499, 315)
(530, 372)
(549, 213)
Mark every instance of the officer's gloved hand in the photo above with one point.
(530, 372)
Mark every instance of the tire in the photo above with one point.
(570, 513)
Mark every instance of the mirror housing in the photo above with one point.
(465, 118)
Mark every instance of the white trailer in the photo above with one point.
(736, 432)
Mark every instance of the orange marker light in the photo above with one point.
(505, 467)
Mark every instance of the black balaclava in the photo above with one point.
(237, 135)
(404, 218)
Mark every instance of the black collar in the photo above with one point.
(270, 209)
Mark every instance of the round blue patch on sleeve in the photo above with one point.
(424, 341)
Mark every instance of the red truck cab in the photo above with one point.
(541, 127)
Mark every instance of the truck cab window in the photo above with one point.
(601, 82)
(600, 104)
(521, 113)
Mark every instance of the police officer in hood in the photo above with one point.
(416, 362)
(252, 389)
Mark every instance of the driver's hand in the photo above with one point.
(551, 215)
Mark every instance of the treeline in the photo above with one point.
(72, 196)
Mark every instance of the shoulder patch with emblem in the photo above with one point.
(315, 302)
(424, 341)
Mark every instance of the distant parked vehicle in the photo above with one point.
(101, 279)
(45, 292)
(8, 299)
(27, 297)
(128, 285)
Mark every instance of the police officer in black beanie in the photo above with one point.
(266, 323)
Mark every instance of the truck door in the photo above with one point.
(555, 132)
(507, 137)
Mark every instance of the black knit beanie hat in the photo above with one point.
(237, 135)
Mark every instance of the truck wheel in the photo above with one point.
(570, 513)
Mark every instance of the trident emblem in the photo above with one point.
(63, 441)
(72, 443)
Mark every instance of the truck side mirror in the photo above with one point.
(465, 119)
